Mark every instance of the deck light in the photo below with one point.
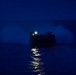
(36, 32)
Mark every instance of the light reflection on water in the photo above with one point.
(36, 64)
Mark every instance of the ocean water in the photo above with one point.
(17, 59)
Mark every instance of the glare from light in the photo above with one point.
(36, 63)
(36, 59)
(36, 32)
(35, 52)
(39, 74)
(34, 49)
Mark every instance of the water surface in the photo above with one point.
(17, 59)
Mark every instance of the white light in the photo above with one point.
(35, 32)
(34, 49)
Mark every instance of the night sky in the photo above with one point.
(38, 9)
(24, 16)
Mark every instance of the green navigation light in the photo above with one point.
(33, 34)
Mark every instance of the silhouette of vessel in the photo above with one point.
(43, 40)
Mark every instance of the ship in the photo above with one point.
(42, 40)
